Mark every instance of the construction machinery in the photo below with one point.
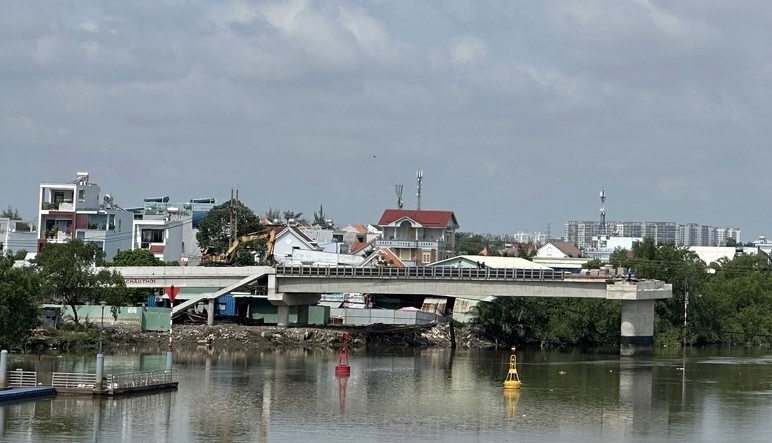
(210, 258)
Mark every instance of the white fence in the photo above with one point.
(19, 378)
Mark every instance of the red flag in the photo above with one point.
(172, 292)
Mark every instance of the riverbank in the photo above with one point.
(235, 336)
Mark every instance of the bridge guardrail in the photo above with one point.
(423, 272)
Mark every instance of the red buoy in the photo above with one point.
(343, 369)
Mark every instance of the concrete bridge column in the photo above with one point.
(638, 300)
(282, 316)
(210, 313)
(637, 335)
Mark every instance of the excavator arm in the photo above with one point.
(230, 255)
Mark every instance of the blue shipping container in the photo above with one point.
(226, 306)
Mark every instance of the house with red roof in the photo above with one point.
(418, 237)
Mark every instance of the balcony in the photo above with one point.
(407, 244)
(61, 206)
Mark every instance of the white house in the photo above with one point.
(75, 210)
(558, 249)
(16, 235)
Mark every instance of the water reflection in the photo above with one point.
(407, 395)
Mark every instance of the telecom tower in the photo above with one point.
(602, 212)
(419, 177)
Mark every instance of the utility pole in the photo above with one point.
(686, 307)
(233, 212)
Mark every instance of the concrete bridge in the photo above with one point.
(303, 285)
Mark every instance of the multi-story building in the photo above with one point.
(418, 237)
(689, 234)
(724, 234)
(627, 229)
(580, 233)
(75, 210)
(17, 235)
(536, 238)
(169, 230)
(661, 232)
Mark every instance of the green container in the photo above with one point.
(318, 315)
(156, 319)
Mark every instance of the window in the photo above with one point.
(152, 236)
(81, 195)
(426, 257)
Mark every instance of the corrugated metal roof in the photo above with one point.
(491, 262)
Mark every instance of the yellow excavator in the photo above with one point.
(209, 258)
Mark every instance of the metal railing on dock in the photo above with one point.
(73, 380)
(139, 379)
(19, 378)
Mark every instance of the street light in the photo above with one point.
(101, 324)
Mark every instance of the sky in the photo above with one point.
(518, 112)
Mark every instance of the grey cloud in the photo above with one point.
(518, 112)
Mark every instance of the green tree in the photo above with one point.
(215, 228)
(733, 306)
(292, 215)
(470, 244)
(137, 257)
(21, 254)
(594, 264)
(549, 322)
(672, 264)
(730, 242)
(273, 214)
(68, 274)
(620, 258)
(19, 308)
(320, 218)
(10, 213)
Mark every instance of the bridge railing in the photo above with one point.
(422, 272)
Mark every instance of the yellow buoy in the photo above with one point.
(513, 378)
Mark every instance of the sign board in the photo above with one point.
(172, 292)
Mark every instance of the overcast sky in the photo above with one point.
(517, 112)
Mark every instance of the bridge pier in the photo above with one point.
(210, 312)
(282, 316)
(638, 301)
(637, 329)
(283, 301)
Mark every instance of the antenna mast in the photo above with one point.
(602, 212)
(419, 177)
(398, 189)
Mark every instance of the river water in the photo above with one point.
(411, 395)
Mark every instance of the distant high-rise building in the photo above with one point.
(580, 233)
